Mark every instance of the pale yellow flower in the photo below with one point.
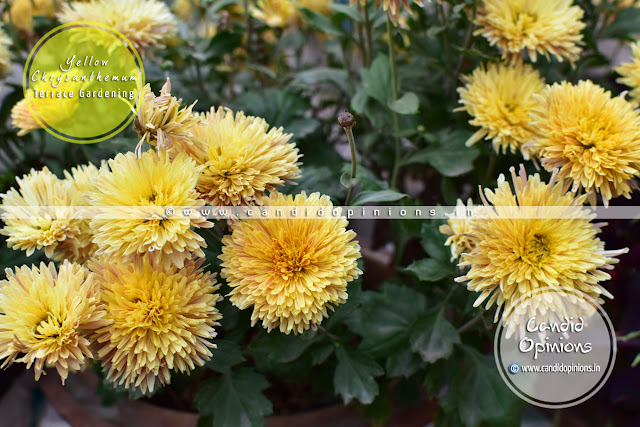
(516, 254)
(500, 98)
(630, 72)
(47, 317)
(161, 319)
(290, 271)
(592, 137)
(458, 230)
(5, 54)
(545, 27)
(138, 191)
(148, 24)
(242, 158)
(22, 12)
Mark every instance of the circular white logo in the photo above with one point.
(556, 347)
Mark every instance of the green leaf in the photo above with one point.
(321, 352)
(323, 74)
(377, 80)
(235, 399)
(376, 197)
(407, 104)
(483, 395)
(224, 42)
(433, 336)
(433, 242)
(349, 11)
(347, 181)
(430, 269)
(451, 157)
(276, 347)
(625, 25)
(403, 363)
(354, 377)
(320, 23)
(385, 317)
(225, 356)
(302, 127)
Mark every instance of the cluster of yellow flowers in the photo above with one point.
(587, 137)
(132, 292)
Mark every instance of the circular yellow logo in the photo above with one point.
(81, 82)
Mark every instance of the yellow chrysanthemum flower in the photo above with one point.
(161, 122)
(276, 13)
(458, 231)
(242, 158)
(5, 54)
(136, 191)
(148, 24)
(81, 248)
(499, 98)
(21, 12)
(47, 316)
(290, 270)
(161, 320)
(29, 224)
(630, 73)
(514, 255)
(592, 138)
(546, 27)
(22, 119)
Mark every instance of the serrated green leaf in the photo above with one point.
(321, 352)
(276, 347)
(235, 399)
(430, 269)
(376, 80)
(407, 104)
(354, 377)
(433, 242)
(483, 395)
(385, 317)
(451, 157)
(403, 363)
(433, 336)
(225, 356)
(365, 197)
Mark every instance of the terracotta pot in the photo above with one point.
(78, 403)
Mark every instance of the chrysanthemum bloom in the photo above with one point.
(22, 12)
(457, 229)
(517, 251)
(290, 270)
(161, 320)
(81, 248)
(500, 98)
(276, 13)
(47, 316)
(242, 158)
(29, 224)
(135, 193)
(592, 138)
(5, 54)
(546, 27)
(161, 122)
(148, 24)
(630, 73)
(22, 118)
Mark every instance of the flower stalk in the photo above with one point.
(396, 119)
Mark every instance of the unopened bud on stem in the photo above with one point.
(346, 120)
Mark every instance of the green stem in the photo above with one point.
(630, 336)
(557, 418)
(447, 49)
(367, 28)
(249, 23)
(328, 334)
(452, 291)
(396, 119)
(471, 323)
(354, 162)
(468, 42)
(360, 34)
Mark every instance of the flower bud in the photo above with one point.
(346, 120)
